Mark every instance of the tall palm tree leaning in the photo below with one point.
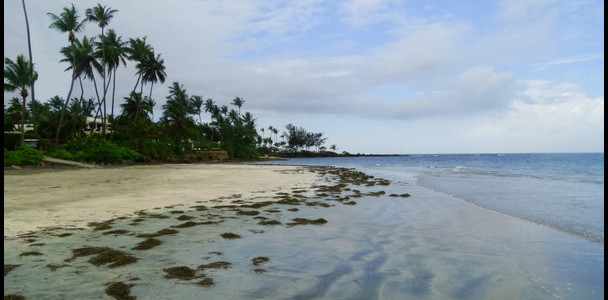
(138, 50)
(20, 75)
(115, 53)
(153, 70)
(102, 16)
(68, 22)
(84, 62)
(29, 47)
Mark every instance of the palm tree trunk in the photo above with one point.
(29, 47)
(23, 112)
(103, 64)
(103, 120)
(113, 94)
(63, 113)
(136, 83)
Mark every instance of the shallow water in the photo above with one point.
(426, 246)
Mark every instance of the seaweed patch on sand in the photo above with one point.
(120, 291)
(9, 268)
(303, 221)
(230, 235)
(147, 244)
(103, 255)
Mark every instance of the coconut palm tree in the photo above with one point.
(177, 114)
(153, 70)
(84, 63)
(238, 102)
(197, 101)
(67, 22)
(102, 16)
(19, 75)
(136, 107)
(138, 50)
(114, 50)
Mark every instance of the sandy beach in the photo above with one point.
(78, 196)
(233, 231)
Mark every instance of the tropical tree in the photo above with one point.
(84, 64)
(177, 114)
(138, 50)
(19, 75)
(114, 50)
(13, 113)
(67, 22)
(238, 102)
(102, 16)
(135, 107)
(153, 70)
(197, 101)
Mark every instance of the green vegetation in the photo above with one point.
(24, 156)
(92, 130)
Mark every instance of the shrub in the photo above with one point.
(63, 154)
(106, 153)
(47, 146)
(96, 150)
(11, 139)
(24, 156)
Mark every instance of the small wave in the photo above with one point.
(462, 169)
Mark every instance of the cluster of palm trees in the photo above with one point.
(87, 57)
(98, 59)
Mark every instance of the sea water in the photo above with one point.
(477, 226)
(563, 191)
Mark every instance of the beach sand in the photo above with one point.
(75, 197)
(231, 231)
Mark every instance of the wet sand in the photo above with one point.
(74, 196)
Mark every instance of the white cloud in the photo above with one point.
(452, 79)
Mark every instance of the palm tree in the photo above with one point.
(114, 50)
(238, 102)
(136, 107)
(13, 113)
(138, 51)
(68, 22)
(276, 133)
(197, 101)
(29, 47)
(84, 63)
(153, 70)
(249, 120)
(19, 75)
(177, 113)
(270, 129)
(102, 16)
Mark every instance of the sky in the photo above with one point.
(374, 76)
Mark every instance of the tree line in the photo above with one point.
(98, 60)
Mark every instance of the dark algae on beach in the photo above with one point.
(133, 253)
(120, 291)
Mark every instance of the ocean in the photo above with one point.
(477, 226)
(562, 191)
